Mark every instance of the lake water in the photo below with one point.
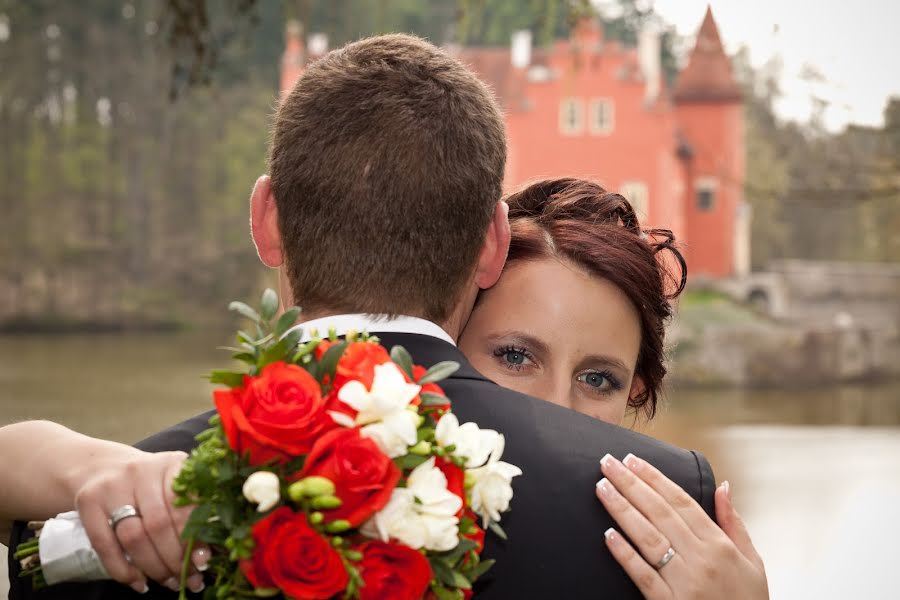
(816, 473)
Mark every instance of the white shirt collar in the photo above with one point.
(376, 324)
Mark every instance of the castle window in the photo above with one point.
(601, 116)
(571, 116)
(636, 193)
(705, 188)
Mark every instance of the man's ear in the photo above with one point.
(264, 223)
(495, 248)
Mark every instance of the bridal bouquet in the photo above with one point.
(334, 468)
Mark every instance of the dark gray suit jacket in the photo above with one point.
(556, 547)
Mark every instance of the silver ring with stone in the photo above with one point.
(669, 555)
(125, 511)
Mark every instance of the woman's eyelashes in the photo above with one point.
(600, 382)
(514, 358)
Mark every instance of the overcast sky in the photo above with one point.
(855, 45)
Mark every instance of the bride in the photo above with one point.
(577, 319)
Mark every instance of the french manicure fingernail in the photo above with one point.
(727, 487)
(195, 583)
(140, 587)
(609, 533)
(200, 558)
(630, 461)
(172, 584)
(604, 487)
(605, 459)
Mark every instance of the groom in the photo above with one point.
(386, 170)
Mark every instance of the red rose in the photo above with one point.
(275, 415)
(293, 557)
(357, 363)
(456, 479)
(392, 571)
(363, 475)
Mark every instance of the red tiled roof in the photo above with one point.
(708, 73)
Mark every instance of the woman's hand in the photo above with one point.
(708, 561)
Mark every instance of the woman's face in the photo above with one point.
(550, 330)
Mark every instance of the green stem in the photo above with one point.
(184, 568)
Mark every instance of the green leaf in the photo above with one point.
(443, 593)
(328, 364)
(495, 527)
(410, 461)
(453, 556)
(286, 321)
(429, 399)
(480, 569)
(447, 575)
(269, 304)
(438, 372)
(227, 378)
(246, 357)
(245, 310)
(400, 356)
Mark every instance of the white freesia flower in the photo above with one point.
(383, 410)
(263, 489)
(474, 444)
(491, 489)
(421, 515)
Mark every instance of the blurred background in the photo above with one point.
(765, 134)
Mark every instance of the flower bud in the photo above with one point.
(325, 502)
(263, 489)
(354, 555)
(339, 526)
(423, 448)
(266, 592)
(311, 487)
(316, 518)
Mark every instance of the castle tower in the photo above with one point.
(709, 113)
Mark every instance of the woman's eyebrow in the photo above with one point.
(521, 338)
(610, 361)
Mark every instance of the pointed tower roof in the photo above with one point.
(708, 75)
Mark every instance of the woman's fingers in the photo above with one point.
(647, 579)
(733, 525)
(680, 501)
(643, 500)
(650, 542)
(103, 540)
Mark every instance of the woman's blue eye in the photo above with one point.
(600, 381)
(514, 357)
(594, 379)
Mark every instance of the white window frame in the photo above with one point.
(710, 184)
(565, 106)
(637, 194)
(597, 107)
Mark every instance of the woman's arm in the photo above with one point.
(680, 554)
(48, 469)
(45, 464)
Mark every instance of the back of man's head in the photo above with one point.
(386, 164)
